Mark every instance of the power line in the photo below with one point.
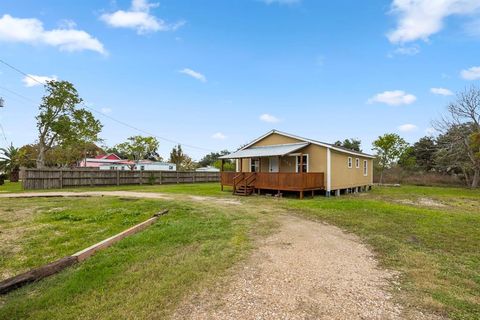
(103, 114)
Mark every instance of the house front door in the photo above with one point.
(273, 164)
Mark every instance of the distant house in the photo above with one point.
(279, 161)
(143, 165)
(207, 169)
(113, 162)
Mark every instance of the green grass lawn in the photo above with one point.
(142, 276)
(431, 235)
(10, 187)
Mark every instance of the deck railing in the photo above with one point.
(277, 181)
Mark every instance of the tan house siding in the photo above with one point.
(274, 138)
(344, 177)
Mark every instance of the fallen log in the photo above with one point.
(39, 273)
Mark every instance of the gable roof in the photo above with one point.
(319, 143)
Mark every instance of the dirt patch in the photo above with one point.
(426, 202)
(307, 270)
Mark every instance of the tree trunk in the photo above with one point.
(381, 176)
(476, 178)
(41, 155)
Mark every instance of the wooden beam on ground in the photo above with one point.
(36, 274)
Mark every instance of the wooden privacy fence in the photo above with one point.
(71, 178)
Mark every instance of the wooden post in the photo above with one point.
(241, 164)
(141, 177)
(221, 173)
(118, 178)
(61, 179)
(301, 194)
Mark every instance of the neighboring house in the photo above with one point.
(143, 165)
(101, 160)
(207, 169)
(113, 162)
(280, 161)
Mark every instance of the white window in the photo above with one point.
(357, 163)
(349, 162)
(304, 164)
(254, 165)
(365, 167)
(142, 168)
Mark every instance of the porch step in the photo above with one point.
(242, 191)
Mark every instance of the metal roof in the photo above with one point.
(266, 151)
(323, 144)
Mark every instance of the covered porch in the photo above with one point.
(274, 168)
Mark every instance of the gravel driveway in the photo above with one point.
(308, 270)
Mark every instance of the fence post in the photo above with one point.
(194, 176)
(160, 178)
(61, 179)
(118, 177)
(178, 177)
(141, 177)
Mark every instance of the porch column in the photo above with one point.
(241, 164)
(221, 173)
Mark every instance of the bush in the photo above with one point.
(2, 178)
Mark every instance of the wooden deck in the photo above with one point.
(245, 183)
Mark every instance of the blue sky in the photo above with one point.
(216, 74)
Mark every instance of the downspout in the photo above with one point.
(329, 180)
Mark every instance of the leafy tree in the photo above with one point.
(424, 152)
(181, 160)
(27, 155)
(211, 158)
(139, 148)
(9, 162)
(352, 144)
(61, 122)
(389, 148)
(407, 159)
(227, 166)
(461, 127)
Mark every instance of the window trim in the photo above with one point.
(307, 163)
(365, 168)
(349, 162)
(251, 162)
(357, 163)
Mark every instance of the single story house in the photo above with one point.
(280, 161)
(113, 162)
(143, 165)
(207, 169)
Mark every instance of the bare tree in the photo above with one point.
(462, 126)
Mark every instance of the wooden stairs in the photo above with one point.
(244, 184)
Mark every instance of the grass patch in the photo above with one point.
(142, 276)
(10, 187)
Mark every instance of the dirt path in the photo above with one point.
(308, 270)
(129, 194)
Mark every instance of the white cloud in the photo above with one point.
(106, 110)
(408, 127)
(472, 73)
(419, 19)
(441, 91)
(219, 136)
(288, 2)
(194, 74)
(269, 118)
(139, 18)
(31, 31)
(32, 80)
(393, 98)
